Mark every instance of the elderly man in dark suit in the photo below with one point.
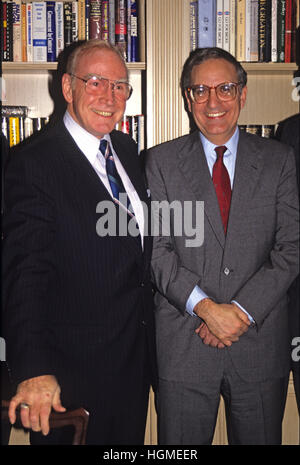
(78, 304)
(221, 305)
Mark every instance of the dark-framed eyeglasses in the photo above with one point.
(225, 92)
(95, 85)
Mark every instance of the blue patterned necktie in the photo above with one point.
(114, 178)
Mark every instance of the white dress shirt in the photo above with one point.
(89, 146)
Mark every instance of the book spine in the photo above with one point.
(288, 32)
(274, 31)
(121, 26)
(280, 30)
(59, 27)
(14, 130)
(254, 31)
(226, 25)
(87, 19)
(128, 40)
(51, 31)
(111, 28)
(74, 21)
(39, 31)
(268, 30)
(262, 30)
(9, 32)
(232, 27)
(134, 32)
(17, 34)
(240, 30)
(193, 25)
(4, 127)
(81, 20)
(247, 31)
(23, 32)
(219, 23)
(4, 31)
(67, 23)
(104, 20)
(95, 19)
(141, 133)
(294, 26)
(29, 31)
(206, 23)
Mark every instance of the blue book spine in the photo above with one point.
(87, 17)
(51, 32)
(193, 25)
(134, 32)
(206, 23)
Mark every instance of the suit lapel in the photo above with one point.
(86, 179)
(247, 172)
(194, 167)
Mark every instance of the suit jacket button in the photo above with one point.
(144, 323)
(142, 284)
(226, 271)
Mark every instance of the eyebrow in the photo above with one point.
(89, 75)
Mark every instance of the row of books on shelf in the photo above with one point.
(251, 30)
(17, 125)
(264, 130)
(39, 31)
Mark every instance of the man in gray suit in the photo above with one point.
(221, 307)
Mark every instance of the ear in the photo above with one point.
(66, 84)
(188, 101)
(243, 97)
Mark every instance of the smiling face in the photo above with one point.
(97, 114)
(216, 120)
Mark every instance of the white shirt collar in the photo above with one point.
(87, 143)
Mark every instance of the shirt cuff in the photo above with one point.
(245, 311)
(195, 297)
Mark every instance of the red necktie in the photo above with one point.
(222, 185)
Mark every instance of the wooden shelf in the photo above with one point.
(258, 68)
(28, 67)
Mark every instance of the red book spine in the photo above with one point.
(288, 31)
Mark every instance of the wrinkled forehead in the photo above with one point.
(101, 61)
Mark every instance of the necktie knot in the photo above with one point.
(104, 147)
(220, 151)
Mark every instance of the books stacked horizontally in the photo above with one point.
(264, 130)
(17, 125)
(39, 31)
(251, 30)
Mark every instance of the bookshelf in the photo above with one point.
(157, 94)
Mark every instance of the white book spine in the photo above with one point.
(274, 31)
(39, 31)
(59, 26)
(29, 31)
(232, 27)
(247, 30)
(226, 25)
(219, 24)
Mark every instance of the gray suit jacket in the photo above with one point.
(254, 264)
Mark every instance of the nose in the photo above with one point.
(212, 98)
(108, 93)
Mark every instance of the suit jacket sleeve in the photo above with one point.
(264, 289)
(171, 278)
(29, 230)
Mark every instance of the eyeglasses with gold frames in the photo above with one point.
(225, 92)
